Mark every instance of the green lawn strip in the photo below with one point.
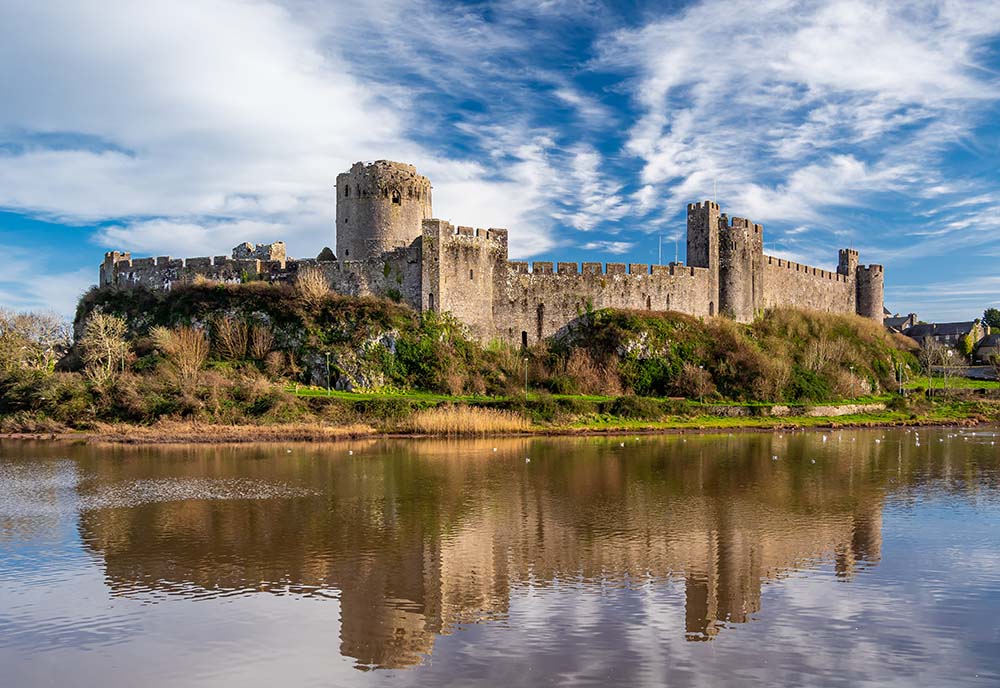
(951, 383)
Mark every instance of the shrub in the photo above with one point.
(312, 285)
(640, 408)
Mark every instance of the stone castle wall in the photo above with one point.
(787, 283)
(396, 274)
(389, 246)
(531, 305)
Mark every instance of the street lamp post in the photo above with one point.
(701, 386)
(327, 373)
(854, 392)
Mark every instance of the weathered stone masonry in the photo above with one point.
(389, 244)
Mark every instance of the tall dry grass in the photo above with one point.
(466, 420)
(312, 285)
(194, 432)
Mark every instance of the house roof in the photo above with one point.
(940, 329)
(990, 340)
(897, 322)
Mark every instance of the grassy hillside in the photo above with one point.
(240, 353)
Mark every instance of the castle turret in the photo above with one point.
(703, 244)
(741, 267)
(848, 263)
(870, 291)
(108, 276)
(380, 207)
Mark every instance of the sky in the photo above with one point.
(184, 127)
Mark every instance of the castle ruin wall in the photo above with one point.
(787, 283)
(531, 306)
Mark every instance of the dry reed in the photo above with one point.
(175, 431)
(466, 420)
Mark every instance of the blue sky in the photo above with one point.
(184, 127)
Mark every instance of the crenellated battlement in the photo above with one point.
(585, 270)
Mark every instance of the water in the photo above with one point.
(867, 557)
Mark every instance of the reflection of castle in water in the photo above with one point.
(428, 538)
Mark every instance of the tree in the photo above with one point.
(186, 348)
(932, 354)
(32, 340)
(991, 318)
(103, 346)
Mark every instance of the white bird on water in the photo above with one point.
(774, 458)
(350, 453)
(527, 460)
(621, 444)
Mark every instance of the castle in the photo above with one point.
(390, 245)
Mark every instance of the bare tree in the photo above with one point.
(261, 341)
(312, 285)
(185, 347)
(933, 354)
(230, 337)
(103, 346)
(32, 340)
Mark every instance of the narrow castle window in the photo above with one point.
(711, 307)
(470, 274)
(396, 197)
(347, 191)
(541, 319)
(649, 303)
(524, 339)
(430, 301)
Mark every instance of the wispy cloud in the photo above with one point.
(615, 247)
(795, 106)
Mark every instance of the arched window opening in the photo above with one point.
(649, 303)
(347, 191)
(524, 339)
(397, 197)
(470, 275)
(347, 252)
(711, 307)
(430, 301)
(668, 302)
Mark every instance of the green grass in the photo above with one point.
(952, 383)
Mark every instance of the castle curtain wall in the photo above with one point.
(792, 284)
(544, 301)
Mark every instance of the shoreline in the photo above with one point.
(204, 433)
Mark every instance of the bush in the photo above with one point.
(640, 408)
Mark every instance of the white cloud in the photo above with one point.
(195, 125)
(616, 247)
(794, 106)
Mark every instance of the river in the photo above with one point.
(863, 557)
